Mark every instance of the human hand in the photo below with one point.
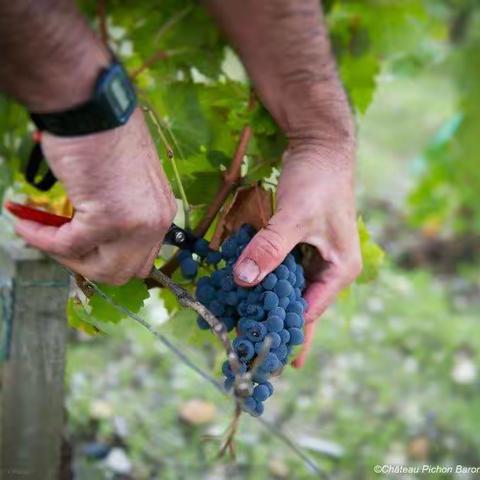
(315, 205)
(122, 200)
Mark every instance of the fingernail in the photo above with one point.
(247, 271)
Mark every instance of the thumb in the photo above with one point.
(267, 250)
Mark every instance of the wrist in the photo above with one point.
(316, 114)
(51, 59)
(69, 82)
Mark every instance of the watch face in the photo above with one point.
(118, 95)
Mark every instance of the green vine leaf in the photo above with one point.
(372, 254)
(131, 295)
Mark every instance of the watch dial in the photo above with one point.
(120, 94)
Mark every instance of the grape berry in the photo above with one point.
(268, 316)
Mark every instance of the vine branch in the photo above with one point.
(102, 20)
(159, 55)
(230, 178)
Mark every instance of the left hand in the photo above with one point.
(315, 205)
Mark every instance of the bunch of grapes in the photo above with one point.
(268, 317)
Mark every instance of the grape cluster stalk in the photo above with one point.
(268, 319)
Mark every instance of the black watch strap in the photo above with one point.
(111, 105)
(33, 167)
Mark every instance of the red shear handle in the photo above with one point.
(35, 215)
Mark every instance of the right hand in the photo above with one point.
(122, 200)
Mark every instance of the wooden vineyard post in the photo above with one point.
(32, 390)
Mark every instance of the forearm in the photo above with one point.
(50, 56)
(285, 47)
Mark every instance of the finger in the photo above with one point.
(114, 263)
(267, 249)
(149, 262)
(73, 239)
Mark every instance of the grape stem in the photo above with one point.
(243, 382)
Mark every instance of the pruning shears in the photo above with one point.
(175, 236)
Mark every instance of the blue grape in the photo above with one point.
(259, 409)
(202, 323)
(293, 320)
(252, 298)
(260, 376)
(269, 281)
(296, 336)
(284, 335)
(281, 352)
(303, 302)
(283, 288)
(216, 308)
(269, 386)
(201, 248)
(256, 332)
(261, 393)
(292, 297)
(242, 293)
(259, 346)
(227, 283)
(279, 312)
(242, 308)
(231, 298)
(213, 257)
(183, 254)
(274, 323)
(271, 363)
(296, 307)
(216, 277)
(270, 300)
(298, 293)
(255, 311)
(284, 302)
(244, 324)
(250, 404)
(203, 281)
(227, 369)
(228, 383)
(290, 262)
(229, 323)
(245, 234)
(275, 339)
(244, 348)
(205, 293)
(292, 278)
(282, 272)
(188, 267)
(229, 247)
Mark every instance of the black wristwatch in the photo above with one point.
(113, 102)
